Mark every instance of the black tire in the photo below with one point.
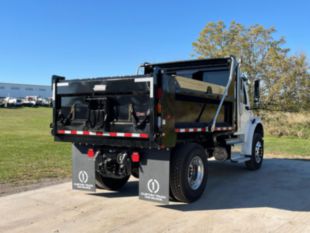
(180, 169)
(171, 197)
(135, 172)
(110, 183)
(257, 151)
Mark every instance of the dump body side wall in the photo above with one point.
(189, 107)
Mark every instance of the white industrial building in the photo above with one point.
(23, 90)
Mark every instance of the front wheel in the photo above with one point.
(257, 155)
(110, 183)
(188, 172)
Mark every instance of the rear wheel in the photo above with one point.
(188, 172)
(110, 183)
(135, 172)
(257, 153)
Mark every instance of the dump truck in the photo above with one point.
(160, 126)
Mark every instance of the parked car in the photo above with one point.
(2, 101)
(30, 101)
(12, 102)
(43, 102)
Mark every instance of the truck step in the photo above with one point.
(238, 158)
(237, 140)
(233, 141)
(239, 133)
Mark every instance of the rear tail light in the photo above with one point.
(135, 157)
(90, 153)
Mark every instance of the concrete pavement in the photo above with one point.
(273, 199)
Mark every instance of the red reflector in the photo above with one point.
(158, 108)
(144, 135)
(159, 93)
(113, 134)
(135, 157)
(90, 153)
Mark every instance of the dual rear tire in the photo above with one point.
(189, 169)
(110, 183)
(188, 173)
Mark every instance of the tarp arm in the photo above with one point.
(231, 74)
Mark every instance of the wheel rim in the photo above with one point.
(258, 151)
(195, 172)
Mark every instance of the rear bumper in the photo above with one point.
(124, 142)
(104, 134)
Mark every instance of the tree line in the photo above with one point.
(285, 77)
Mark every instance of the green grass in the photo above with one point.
(27, 150)
(287, 124)
(287, 146)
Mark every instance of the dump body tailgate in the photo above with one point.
(106, 111)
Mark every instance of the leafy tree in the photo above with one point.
(285, 78)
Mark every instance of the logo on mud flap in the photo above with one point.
(153, 186)
(83, 177)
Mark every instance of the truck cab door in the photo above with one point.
(244, 113)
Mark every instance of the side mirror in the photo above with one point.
(256, 93)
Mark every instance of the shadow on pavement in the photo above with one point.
(130, 189)
(280, 183)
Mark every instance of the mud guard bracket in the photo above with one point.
(154, 176)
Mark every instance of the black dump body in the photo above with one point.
(171, 102)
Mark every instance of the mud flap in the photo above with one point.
(154, 176)
(83, 169)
